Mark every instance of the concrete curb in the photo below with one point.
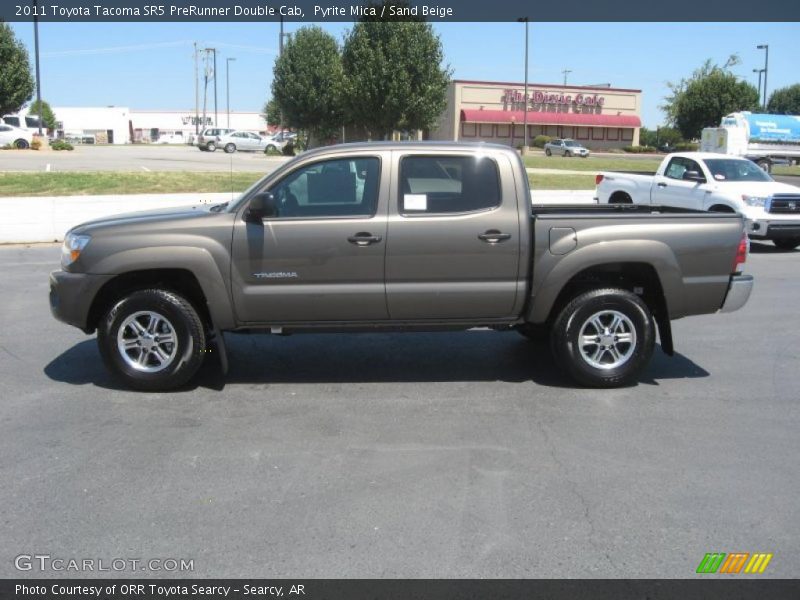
(46, 219)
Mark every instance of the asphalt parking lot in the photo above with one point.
(407, 455)
(138, 157)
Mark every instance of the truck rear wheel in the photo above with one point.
(604, 338)
(152, 340)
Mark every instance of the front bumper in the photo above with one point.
(767, 228)
(738, 293)
(71, 296)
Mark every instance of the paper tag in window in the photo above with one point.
(415, 202)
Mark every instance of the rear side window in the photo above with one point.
(448, 184)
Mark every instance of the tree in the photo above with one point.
(785, 101)
(16, 82)
(308, 83)
(658, 137)
(48, 116)
(394, 76)
(707, 96)
(272, 112)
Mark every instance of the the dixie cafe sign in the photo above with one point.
(515, 99)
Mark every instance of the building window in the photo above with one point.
(503, 131)
(627, 135)
(612, 134)
(469, 130)
(583, 133)
(597, 133)
(519, 131)
(487, 130)
(447, 184)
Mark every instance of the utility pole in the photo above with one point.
(196, 94)
(566, 72)
(280, 39)
(206, 69)
(36, 51)
(759, 71)
(216, 123)
(228, 87)
(765, 47)
(525, 97)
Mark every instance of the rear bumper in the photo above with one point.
(72, 294)
(738, 293)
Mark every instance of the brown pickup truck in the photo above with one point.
(389, 236)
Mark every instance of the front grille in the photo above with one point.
(785, 203)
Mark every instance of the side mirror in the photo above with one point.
(693, 176)
(262, 206)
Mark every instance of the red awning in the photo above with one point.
(549, 118)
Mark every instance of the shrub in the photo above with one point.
(61, 145)
(540, 140)
(36, 144)
(686, 147)
(638, 149)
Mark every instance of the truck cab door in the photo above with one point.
(320, 257)
(672, 188)
(454, 244)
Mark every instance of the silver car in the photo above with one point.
(242, 140)
(565, 148)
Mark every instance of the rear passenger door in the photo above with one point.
(453, 245)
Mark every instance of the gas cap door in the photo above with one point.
(562, 240)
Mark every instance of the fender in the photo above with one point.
(554, 272)
(199, 261)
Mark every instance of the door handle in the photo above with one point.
(661, 185)
(363, 238)
(492, 236)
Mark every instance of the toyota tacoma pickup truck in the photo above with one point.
(398, 237)
(717, 183)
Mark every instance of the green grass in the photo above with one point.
(168, 182)
(786, 170)
(95, 183)
(592, 164)
(547, 181)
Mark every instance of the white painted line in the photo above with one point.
(145, 169)
(47, 168)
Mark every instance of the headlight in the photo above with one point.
(757, 201)
(72, 248)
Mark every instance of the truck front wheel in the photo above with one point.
(604, 338)
(152, 340)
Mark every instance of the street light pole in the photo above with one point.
(525, 96)
(759, 71)
(216, 123)
(566, 72)
(765, 47)
(36, 51)
(228, 87)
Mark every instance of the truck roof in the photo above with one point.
(411, 145)
(704, 155)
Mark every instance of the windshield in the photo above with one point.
(571, 143)
(732, 169)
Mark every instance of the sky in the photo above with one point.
(151, 66)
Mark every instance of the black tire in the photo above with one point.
(181, 319)
(787, 243)
(211, 147)
(547, 152)
(21, 144)
(620, 198)
(567, 154)
(535, 332)
(577, 316)
(765, 164)
(271, 148)
(230, 148)
(721, 208)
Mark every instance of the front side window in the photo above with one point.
(331, 188)
(448, 184)
(678, 166)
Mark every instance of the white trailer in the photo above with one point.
(764, 139)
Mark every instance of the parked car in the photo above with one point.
(276, 143)
(715, 183)
(14, 136)
(208, 140)
(328, 243)
(565, 148)
(242, 140)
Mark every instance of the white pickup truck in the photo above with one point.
(716, 183)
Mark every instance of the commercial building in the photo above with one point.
(600, 117)
(123, 125)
